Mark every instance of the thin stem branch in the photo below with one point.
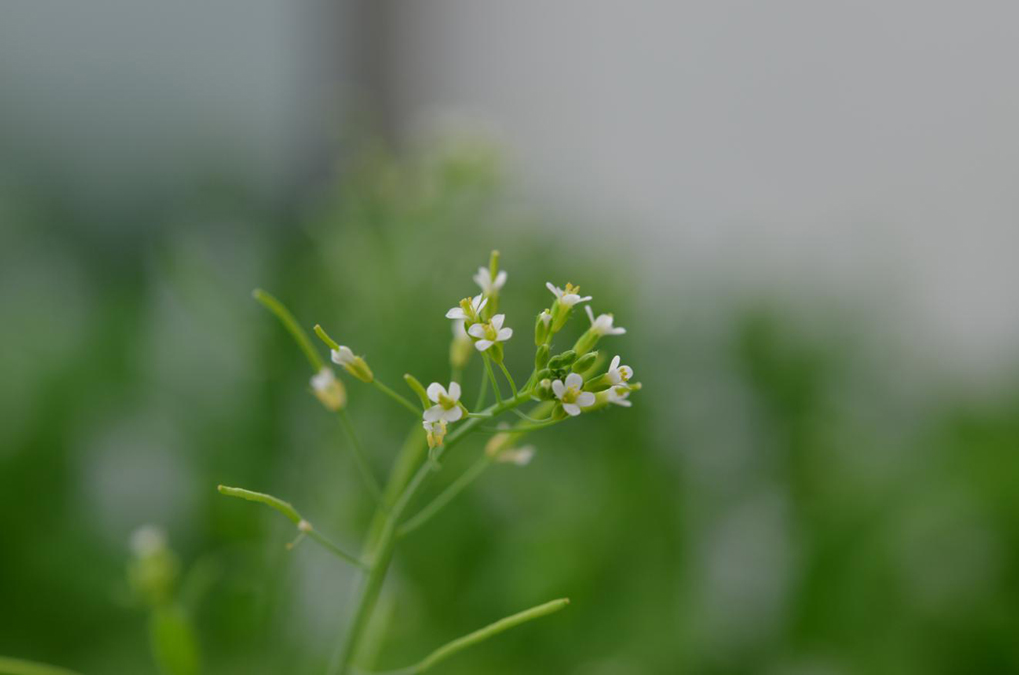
(290, 323)
(509, 378)
(520, 428)
(399, 398)
(451, 648)
(491, 377)
(481, 394)
(292, 515)
(446, 496)
(359, 457)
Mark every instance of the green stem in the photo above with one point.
(397, 397)
(509, 378)
(10, 666)
(446, 496)
(382, 553)
(521, 427)
(359, 457)
(481, 394)
(491, 377)
(480, 635)
(290, 323)
(291, 513)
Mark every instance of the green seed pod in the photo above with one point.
(584, 363)
(541, 357)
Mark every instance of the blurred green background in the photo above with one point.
(813, 481)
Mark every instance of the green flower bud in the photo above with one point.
(541, 327)
(584, 363)
(355, 365)
(541, 357)
(587, 341)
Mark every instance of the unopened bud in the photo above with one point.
(355, 365)
(541, 357)
(541, 327)
(584, 363)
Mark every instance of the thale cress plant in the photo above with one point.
(562, 387)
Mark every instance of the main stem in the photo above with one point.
(382, 553)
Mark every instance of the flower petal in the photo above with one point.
(504, 334)
(558, 388)
(617, 330)
(435, 390)
(456, 313)
(571, 409)
(584, 299)
(479, 302)
(477, 330)
(615, 362)
(482, 345)
(434, 413)
(574, 381)
(585, 399)
(500, 279)
(454, 391)
(626, 372)
(555, 291)
(590, 314)
(453, 414)
(497, 321)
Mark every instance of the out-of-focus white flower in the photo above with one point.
(460, 347)
(568, 296)
(147, 540)
(603, 324)
(328, 389)
(618, 374)
(618, 396)
(446, 406)
(521, 456)
(435, 431)
(572, 395)
(487, 334)
(469, 309)
(489, 285)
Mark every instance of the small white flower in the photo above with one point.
(343, 356)
(520, 456)
(488, 334)
(569, 296)
(147, 540)
(445, 408)
(328, 389)
(618, 374)
(468, 309)
(572, 395)
(603, 324)
(436, 431)
(489, 285)
(618, 396)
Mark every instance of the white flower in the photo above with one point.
(618, 396)
(343, 356)
(468, 309)
(147, 540)
(618, 374)
(489, 285)
(545, 317)
(519, 456)
(569, 296)
(445, 408)
(489, 333)
(603, 324)
(571, 394)
(328, 389)
(436, 431)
